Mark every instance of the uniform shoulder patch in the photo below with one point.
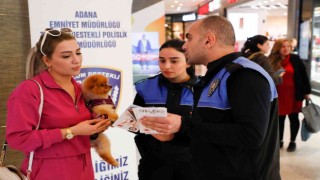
(213, 86)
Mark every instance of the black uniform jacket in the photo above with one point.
(237, 143)
(178, 148)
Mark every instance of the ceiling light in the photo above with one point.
(180, 4)
(178, 8)
(172, 6)
(213, 5)
(176, 1)
(283, 6)
(273, 6)
(265, 7)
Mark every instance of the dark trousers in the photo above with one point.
(165, 170)
(294, 126)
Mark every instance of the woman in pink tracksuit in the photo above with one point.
(61, 145)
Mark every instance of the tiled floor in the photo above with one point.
(304, 163)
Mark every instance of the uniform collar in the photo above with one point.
(216, 65)
(191, 82)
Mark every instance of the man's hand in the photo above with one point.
(165, 125)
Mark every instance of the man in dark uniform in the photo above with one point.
(234, 124)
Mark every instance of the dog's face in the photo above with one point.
(96, 84)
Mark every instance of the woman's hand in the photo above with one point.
(281, 74)
(90, 127)
(307, 96)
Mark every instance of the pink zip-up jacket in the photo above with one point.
(59, 111)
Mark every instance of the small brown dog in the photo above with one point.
(95, 89)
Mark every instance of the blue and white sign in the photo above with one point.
(103, 31)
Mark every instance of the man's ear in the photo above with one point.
(210, 40)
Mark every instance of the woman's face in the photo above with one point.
(173, 65)
(285, 48)
(66, 59)
(264, 48)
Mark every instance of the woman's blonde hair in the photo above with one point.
(275, 56)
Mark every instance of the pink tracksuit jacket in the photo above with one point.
(54, 157)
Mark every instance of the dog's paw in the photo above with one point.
(114, 163)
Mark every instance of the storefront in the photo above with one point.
(176, 24)
(267, 18)
(315, 55)
(309, 44)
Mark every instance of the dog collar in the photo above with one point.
(95, 102)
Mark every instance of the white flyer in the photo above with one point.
(141, 112)
(129, 119)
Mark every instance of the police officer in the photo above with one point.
(173, 89)
(234, 125)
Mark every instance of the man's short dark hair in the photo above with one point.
(221, 27)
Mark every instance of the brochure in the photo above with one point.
(129, 119)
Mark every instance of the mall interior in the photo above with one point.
(276, 19)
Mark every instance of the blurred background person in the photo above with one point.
(293, 90)
(144, 48)
(294, 44)
(255, 49)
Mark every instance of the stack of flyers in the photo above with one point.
(129, 120)
(149, 111)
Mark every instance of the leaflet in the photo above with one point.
(129, 119)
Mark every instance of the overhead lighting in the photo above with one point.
(283, 6)
(254, 7)
(273, 6)
(178, 8)
(176, 1)
(265, 7)
(172, 6)
(189, 17)
(213, 5)
(180, 4)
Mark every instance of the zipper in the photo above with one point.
(76, 99)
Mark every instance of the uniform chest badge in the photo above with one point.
(213, 86)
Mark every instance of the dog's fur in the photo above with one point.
(96, 87)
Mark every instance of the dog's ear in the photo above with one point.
(93, 82)
(89, 83)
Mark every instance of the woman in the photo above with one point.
(61, 145)
(255, 49)
(293, 90)
(161, 159)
